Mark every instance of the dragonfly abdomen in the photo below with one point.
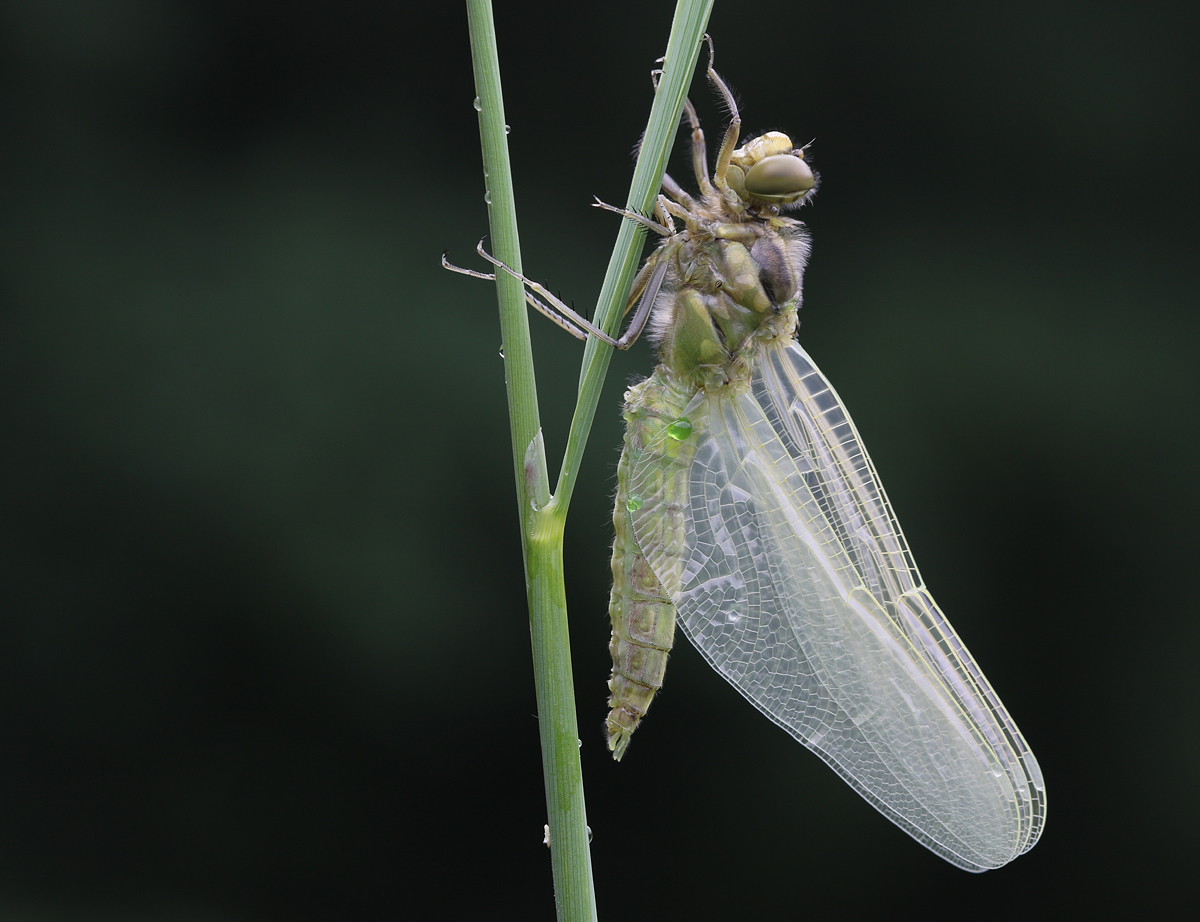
(643, 616)
(643, 621)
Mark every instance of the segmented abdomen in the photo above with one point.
(643, 616)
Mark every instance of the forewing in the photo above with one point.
(796, 584)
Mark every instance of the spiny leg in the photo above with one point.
(664, 229)
(735, 123)
(664, 209)
(648, 282)
(677, 192)
(677, 210)
(640, 281)
(652, 280)
(486, 276)
(543, 309)
(669, 185)
(641, 316)
(554, 302)
(699, 149)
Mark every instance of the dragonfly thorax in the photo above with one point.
(727, 296)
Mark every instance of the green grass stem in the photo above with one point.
(543, 517)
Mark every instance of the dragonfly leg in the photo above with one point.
(553, 307)
(663, 215)
(735, 124)
(649, 281)
(663, 230)
(544, 309)
(676, 191)
(690, 219)
(699, 154)
(486, 276)
(549, 313)
(699, 149)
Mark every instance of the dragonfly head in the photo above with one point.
(769, 171)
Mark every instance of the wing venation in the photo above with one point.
(798, 587)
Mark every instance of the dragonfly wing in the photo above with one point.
(797, 586)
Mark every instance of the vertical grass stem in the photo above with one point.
(543, 517)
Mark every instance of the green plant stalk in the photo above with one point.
(533, 486)
(543, 517)
(679, 63)
(570, 860)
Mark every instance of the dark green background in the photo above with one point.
(263, 645)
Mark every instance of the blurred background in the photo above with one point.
(264, 651)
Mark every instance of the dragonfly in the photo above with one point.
(749, 513)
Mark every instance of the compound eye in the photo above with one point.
(780, 175)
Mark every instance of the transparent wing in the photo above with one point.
(796, 584)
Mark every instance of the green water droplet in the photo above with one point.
(680, 429)
(634, 503)
(477, 104)
(507, 129)
(487, 197)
